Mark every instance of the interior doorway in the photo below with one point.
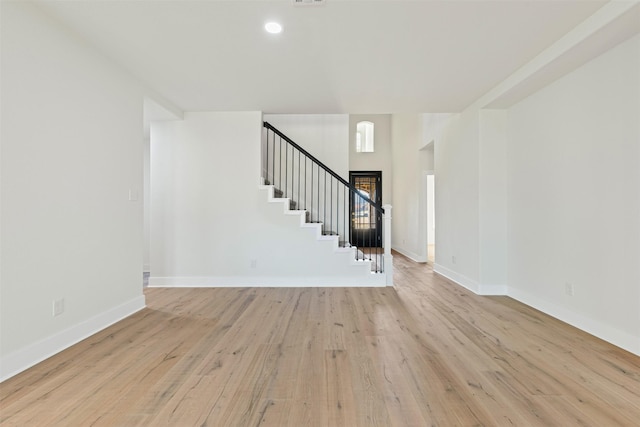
(366, 221)
(431, 218)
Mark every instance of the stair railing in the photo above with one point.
(326, 197)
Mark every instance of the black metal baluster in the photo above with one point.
(324, 204)
(371, 243)
(367, 242)
(298, 180)
(311, 216)
(381, 269)
(268, 156)
(376, 242)
(341, 213)
(344, 218)
(373, 217)
(358, 221)
(381, 248)
(280, 166)
(351, 218)
(338, 212)
(375, 238)
(331, 202)
(335, 225)
(359, 243)
(353, 221)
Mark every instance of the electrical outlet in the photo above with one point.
(568, 289)
(254, 263)
(58, 307)
(453, 259)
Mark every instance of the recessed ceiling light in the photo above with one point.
(273, 27)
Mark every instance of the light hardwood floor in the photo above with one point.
(425, 353)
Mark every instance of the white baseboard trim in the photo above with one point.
(411, 255)
(611, 335)
(256, 281)
(460, 279)
(495, 290)
(614, 336)
(472, 285)
(20, 360)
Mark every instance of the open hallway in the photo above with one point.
(426, 352)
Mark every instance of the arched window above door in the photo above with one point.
(364, 137)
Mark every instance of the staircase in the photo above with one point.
(321, 201)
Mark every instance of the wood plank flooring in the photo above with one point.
(424, 353)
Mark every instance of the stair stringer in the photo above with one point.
(338, 265)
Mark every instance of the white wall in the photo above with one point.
(561, 170)
(432, 125)
(380, 160)
(457, 199)
(470, 205)
(324, 136)
(71, 151)
(204, 172)
(155, 108)
(146, 159)
(492, 218)
(430, 202)
(574, 197)
(409, 201)
(211, 225)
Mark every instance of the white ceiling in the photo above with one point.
(341, 57)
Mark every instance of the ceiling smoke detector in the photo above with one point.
(308, 2)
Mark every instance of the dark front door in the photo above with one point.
(366, 221)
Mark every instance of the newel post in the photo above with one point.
(388, 258)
